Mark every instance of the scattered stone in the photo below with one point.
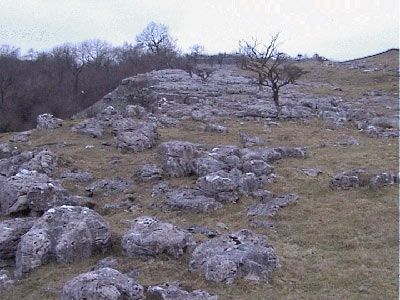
(191, 200)
(249, 140)
(48, 121)
(102, 284)
(21, 137)
(135, 111)
(91, 127)
(172, 291)
(108, 262)
(109, 186)
(258, 167)
(312, 172)
(11, 232)
(63, 234)
(178, 157)
(291, 152)
(207, 164)
(266, 224)
(160, 189)
(150, 172)
(215, 128)
(217, 185)
(248, 182)
(210, 233)
(271, 208)
(263, 195)
(348, 179)
(383, 179)
(31, 192)
(242, 254)
(80, 176)
(149, 237)
(127, 204)
(6, 283)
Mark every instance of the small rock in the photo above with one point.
(48, 121)
(108, 262)
(172, 291)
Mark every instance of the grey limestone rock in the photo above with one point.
(160, 188)
(63, 234)
(80, 176)
(258, 167)
(149, 237)
(11, 232)
(190, 200)
(150, 172)
(172, 291)
(347, 179)
(178, 157)
(383, 179)
(108, 262)
(102, 284)
(109, 186)
(48, 121)
(215, 128)
(137, 111)
(6, 283)
(5, 151)
(21, 137)
(271, 207)
(291, 152)
(92, 127)
(242, 254)
(45, 161)
(250, 140)
(207, 164)
(217, 183)
(10, 166)
(30, 191)
(263, 195)
(311, 172)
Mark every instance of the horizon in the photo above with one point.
(338, 30)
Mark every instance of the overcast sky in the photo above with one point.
(337, 29)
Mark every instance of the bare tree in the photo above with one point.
(273, 68)
(155, 38)
(8, 58)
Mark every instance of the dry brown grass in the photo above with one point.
(331, 244)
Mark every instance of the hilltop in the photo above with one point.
(315, 187)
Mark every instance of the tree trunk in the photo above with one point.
(2, 98)
(276, 101)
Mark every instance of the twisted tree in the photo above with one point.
(273, 68)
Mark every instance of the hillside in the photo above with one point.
(316, 189)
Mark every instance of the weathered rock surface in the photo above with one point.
(6, 283)
(109, 186)
(347, 179)
(31, 192)
(108, 262)
(134, 136)
(311, 172)
(178, 157)
(217, 185)
(63, 234)
(172, 291)
(45, 161)
(11, 232)
(80, 176)
(21, 137)
(271, 207)
(150, 172)
(250, 140)
(102, 284)
(10, 166)
(191, 200)
(5, 151)
(48, 121)
(383, 179)
(149, 237)
(92, 127)
(242, 254)
(215, 128)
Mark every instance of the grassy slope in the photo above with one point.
(332, 244)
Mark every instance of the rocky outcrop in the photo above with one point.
(172, 291)
(63, 234)
(270, 208)
(349, 179)
(48, 121)
(149, 237)
(45, 161)
(190, 200)
(76, 175)
(30, 192)
(242, 254)
(5, 151)
(11, 232)
(149, 172)
(91, 127)
(102, 284)
(10, 166)
(109, 186)
(178, 157)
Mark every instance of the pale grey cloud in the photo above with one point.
(338, 29)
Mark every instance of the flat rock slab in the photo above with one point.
(191, 200)
(102, 284)
(63, 234)
(172, 291)
(271, 207)
(109, 186)
(149, 237)
(242, 254)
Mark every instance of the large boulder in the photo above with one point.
(349, 179)
(243, 254)
(11, 232)
(258, 167)
(31, 192)
(10, 166)
(178, 157)
(45, 161)
(48, 121)
(207, 164)
(92, 127)
(149, 237)
(102, 284)
(134, 136)
(217, 185)
(63, 234)
(172, 291)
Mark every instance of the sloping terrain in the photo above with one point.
(331, 243)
